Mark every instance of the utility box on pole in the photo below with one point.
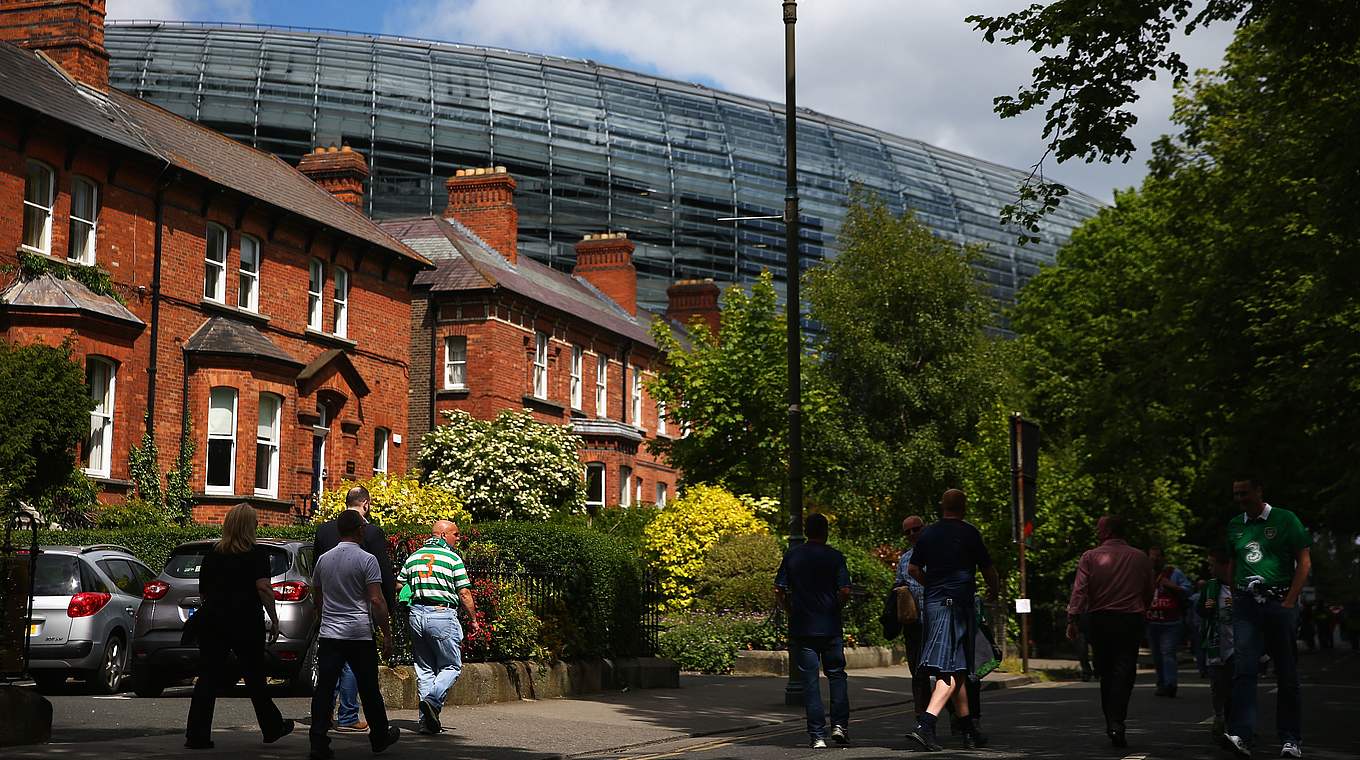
(1024, 479)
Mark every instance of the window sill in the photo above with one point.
(105, 480)
(543, 405)
(334, 340)
(218, 498)
(453, 393)
(234, 311)
(53, 258)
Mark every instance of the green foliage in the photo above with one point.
(132, 513)
(509, 628)
(729, 390)
(397, 500)
(94, 279)
(625, 524)
(678, 540)
(168, 504)
(738, 575)
(179, 492)
(71, 503)
(709, 643)
(903, 316)
(144, 471)
(860, 615)
(45, 412)
(511, 468)
(153, 545)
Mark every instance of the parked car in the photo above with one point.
(84, 602)
(158, 657)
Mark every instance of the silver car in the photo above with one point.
(158, 657)
(85, 599)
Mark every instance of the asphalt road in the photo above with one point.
(717, 718)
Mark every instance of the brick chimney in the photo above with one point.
(688, 299)
(339, 171)
(71, 32)
(606, 261)
(483, 199)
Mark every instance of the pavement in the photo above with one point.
(723, 717)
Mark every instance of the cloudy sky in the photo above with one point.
(912, 67)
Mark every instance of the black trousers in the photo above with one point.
(248, 646)
(1114, 643)
(362, 657)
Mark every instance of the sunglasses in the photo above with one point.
(914, 530)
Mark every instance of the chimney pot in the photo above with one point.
(484, 201)
(339, 172)
(688, 300)
(605, 260)
(69, 32)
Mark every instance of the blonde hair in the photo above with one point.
(238, 530)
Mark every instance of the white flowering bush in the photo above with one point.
(511, 468)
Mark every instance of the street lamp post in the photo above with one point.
(793, 691)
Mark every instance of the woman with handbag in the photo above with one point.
(234, 584)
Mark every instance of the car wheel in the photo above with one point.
(303, 682)
(48, 681)
(145, 685)
(112, 667)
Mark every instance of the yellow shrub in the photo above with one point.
(398, 501)
(679, 538)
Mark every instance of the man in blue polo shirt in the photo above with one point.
(812, 585)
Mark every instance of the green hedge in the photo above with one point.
(708, 643)
(153, 545)
(861, 615)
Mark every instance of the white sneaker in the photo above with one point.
(818, 743)
(1238, 745)
(839, 736)
(1291, 749)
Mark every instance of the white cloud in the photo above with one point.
(182, 10)
(912, 68)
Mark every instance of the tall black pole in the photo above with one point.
(793, 692)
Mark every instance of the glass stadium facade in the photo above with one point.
(593, 147)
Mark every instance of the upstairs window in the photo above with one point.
(39, 185)
(577, 355)
(267, 446)
(84, 216)
(625, 486)
(455, 362)
(595, 487)
(601, 386)
(215, 265)
(541, 365)
(341, 301)
(221, 469)
(380, 438)
(248, 289)
(636, 417)
(316, 280)
(661, 418)
(100, 378)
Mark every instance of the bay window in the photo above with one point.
(100, 377)
(221, 470)
(267, 446)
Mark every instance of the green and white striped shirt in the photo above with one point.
(434, 573)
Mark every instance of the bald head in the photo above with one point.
(446, 529)
(953, 503)
(357, 499)
(912, 527)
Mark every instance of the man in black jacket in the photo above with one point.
(375, 543)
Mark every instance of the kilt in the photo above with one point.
(948, 631)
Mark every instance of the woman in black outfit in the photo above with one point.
(234, 583)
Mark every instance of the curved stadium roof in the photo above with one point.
(593, 147)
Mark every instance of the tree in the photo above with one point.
(511, 468)
(728, 392)
(1095, 52)
(903, 318)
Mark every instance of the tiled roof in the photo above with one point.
(464, 262)
(34, 83)
(46, 292)
(228, 337)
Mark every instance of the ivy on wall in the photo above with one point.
(96, 280)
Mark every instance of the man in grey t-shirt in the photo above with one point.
(347, 589)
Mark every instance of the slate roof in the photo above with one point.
(464, 262)
(33, 82)
(228, 337)
(46, 292)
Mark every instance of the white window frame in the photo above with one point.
(45, 235)
(601, 385)
(101, 416)
(248, 280)
(381, 438)
(577, 362)
(661, 418)
(662, 494)
(340, 301)
(455, 358)
(636, 393)
(541, 365)
(231, 471)
(625, 486)
(84, 254)
(604, 484)
(218, 266)
(316, 283)
(271, 445)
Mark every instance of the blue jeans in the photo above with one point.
(347, 691)
(1265, 629)
(827, 651)
(436, 643)
(1164, 639)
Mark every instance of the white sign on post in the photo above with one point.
(1022, 606)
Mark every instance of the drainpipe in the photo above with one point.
(153, 363)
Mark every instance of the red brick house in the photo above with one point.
(245, 298)
(494, 330)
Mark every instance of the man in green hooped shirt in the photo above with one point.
(437, 581)
(1269, 548)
